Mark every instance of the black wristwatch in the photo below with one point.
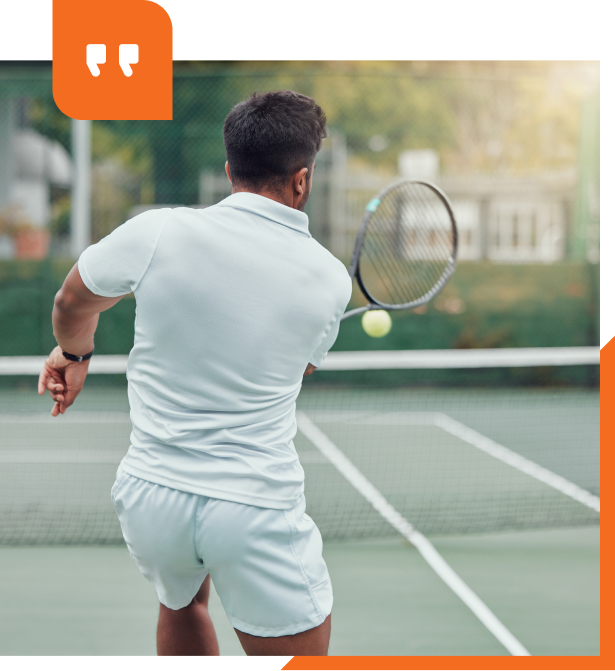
(78, 359)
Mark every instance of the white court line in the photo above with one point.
(515, 460)
(424, 546)
(476, 439)
(312, 457)
(376, 417)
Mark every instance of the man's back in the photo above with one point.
(233, 302)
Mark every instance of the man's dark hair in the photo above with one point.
(270, 136)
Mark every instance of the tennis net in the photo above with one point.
(453, 441)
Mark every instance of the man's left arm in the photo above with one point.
(74, 319)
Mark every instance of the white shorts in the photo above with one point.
(266, 564)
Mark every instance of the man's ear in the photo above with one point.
(228, 172)
(300, 182)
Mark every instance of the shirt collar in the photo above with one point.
(270, 209)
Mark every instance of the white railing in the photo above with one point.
(517, 357)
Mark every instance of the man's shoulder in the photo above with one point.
(145, 221)
(325, 256)
(163, 214)
(150, 222)
(335, 270)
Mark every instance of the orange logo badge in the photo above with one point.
(112, 59)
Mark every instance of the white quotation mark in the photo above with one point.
(129, 55)
(96, 54)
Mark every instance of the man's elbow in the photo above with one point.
(64, 303)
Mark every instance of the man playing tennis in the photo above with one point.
(235, 303)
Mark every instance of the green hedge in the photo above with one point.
(484, 305)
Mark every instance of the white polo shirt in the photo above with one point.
(233, 302)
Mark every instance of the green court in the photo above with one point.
(430, 453)
(544, 586)
(503, 481)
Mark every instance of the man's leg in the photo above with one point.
(189, 630)
(311, 642)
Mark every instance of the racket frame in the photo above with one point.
(354, 270)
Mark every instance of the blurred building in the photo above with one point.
(30, 166)
(38, 164)
(503, 219)
(516, 148)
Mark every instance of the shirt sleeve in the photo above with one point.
(318, 357)
(115, 265)
(327, 343)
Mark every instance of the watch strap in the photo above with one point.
(75, 357)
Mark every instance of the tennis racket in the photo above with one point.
(406, 248)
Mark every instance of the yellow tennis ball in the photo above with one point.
(376, 323)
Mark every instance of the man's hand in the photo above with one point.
(310, 369)
(63, 378)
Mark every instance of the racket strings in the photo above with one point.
(425, 223)
(408, 245)
(395, 262)
(387, 264)
(388, 229)
(433, 211)
(446, 236)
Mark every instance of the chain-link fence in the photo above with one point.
(514, 146)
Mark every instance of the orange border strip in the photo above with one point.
(606, 659)
(452, 662)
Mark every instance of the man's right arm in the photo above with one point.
(105, 273)
(74, 319)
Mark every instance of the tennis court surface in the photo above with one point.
(492, 473)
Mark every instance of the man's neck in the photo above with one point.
(279, 197)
